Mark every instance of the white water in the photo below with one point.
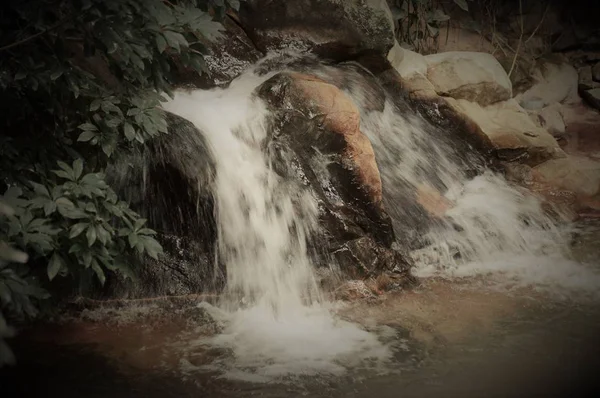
(274, 318)
(491, 228)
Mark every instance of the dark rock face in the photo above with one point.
(363, 258)
(185, 268)
(170, 183)
(592, 97)
(226, 58)
(329, 28)
(316, 140)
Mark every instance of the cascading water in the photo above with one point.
(275, 321)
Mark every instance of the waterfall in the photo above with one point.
(275, 321)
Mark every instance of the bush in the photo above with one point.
(81, 83)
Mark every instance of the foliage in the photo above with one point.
(81, 83)
(419, 21)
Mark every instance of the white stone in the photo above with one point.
(473, 76)
(575, 173)
(553, 83)
(508, 126)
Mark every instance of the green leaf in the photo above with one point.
(103, 235)
(462, 4)
(55, 265)
(77, 168)
(91, 235)
(56, 74)
(95, 105)
(99, 273)
(433, 30)
(40, 189)
(129, 131)
(175, 40)
(68, 210)
(87, 127)
(439, 16)
(49, 207)
(161, 43)
(133, 240)
(77, 229)
(139, 223)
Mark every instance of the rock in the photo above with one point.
(477, 77)
(583, 129)
(552, 83)
(330, 28)
(596, 72)
(507, 129)
(185, 268)
(169, 182)
(432, 200)
(592, 97)
(317, 140)
(407, 62)
(363, 258)
(551, 119)
(412, 69)
(586, 79)
(575, 173)
(226, 58)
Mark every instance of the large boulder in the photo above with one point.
(575, 173)
(330, 28)
(412, 68)
(169, 182)
(476, 77)
(552, 83)
(506, 129)
(317, 140)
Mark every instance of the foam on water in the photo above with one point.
(491, 228)
(274, 320)
(273, 316)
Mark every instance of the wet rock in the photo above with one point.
(363, 258)
(476, 77)
(317, 140)
(507, 129)
(169, 182)
(575, 173)
(226, 58)
(592, 97)
(586, 79)
(185, 268)
(332, 29)
(596, 72)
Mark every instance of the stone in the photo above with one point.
(226, 58)
(586, 79)
(551, 119)
(596, 72)
(552, 83)
(317, 140)
(507, 129)
(477, 77)
(330, 28)
(432, 201)
(579, 174)
(363, 258)
(412, 70)
(592, 97)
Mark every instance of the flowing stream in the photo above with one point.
(275, 320)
